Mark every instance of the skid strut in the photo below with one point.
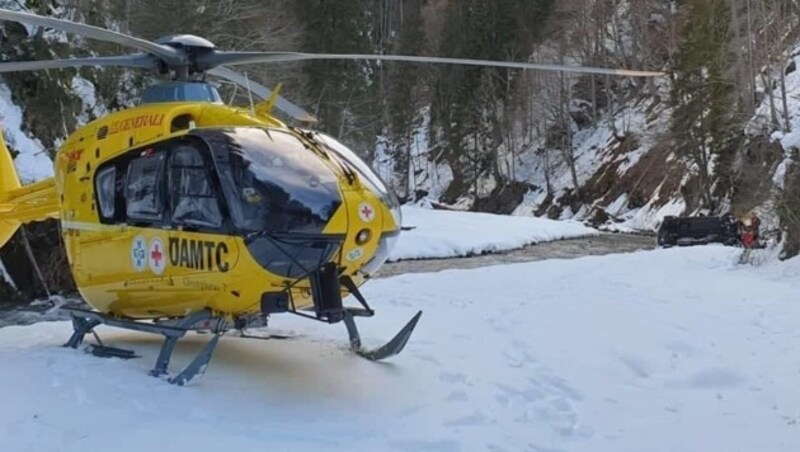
(84, 322)
(326, 285)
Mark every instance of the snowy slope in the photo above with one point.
(691, 354)
(761, 121)
(789, 139)
(594, 150)
(597, 151)
(442, 233)
(32, 162)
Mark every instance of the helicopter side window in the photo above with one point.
(106, 191)
(145, 190)
(194, 202)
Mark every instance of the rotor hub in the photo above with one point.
(186, 41)
(190, 49)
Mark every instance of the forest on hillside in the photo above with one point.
(502, 134)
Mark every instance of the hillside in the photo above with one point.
(624, 154)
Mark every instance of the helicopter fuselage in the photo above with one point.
(171, 208)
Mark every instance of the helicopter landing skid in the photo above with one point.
(84, 322)
(389, 349)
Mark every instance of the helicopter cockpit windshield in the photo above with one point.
(272, 182)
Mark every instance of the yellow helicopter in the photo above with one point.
(185, 214)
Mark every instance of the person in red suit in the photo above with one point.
(750, 232)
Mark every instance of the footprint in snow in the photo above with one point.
(428, 358)
(507, 394)
(453, 378)
(560, 385)
(715, 378)
(476, 418)
(457, 396)
(638, 367)
(681, 348)
(545, 399)
(518, 357)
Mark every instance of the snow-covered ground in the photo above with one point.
(668, 350)
(444, 233)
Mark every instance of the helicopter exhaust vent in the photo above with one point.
(182, 122)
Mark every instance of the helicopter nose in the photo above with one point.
(290, 255)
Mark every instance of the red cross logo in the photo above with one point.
(157, 261)
(366, 212)
(156, 255)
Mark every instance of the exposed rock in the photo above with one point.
(753, 170)
(48, 250)
(503, 199)
(599, 216)
(544, 206)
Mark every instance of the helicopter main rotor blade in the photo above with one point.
(232, 58)
(262, 92)
(101, 34)
(138, 61)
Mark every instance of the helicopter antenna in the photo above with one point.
(233, 96)
(250, 95)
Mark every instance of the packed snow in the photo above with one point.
(667, 350)
(445, 233)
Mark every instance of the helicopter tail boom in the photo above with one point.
(34, 202)
(9, 181)
(18, 204)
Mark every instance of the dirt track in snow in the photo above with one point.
(562, 249)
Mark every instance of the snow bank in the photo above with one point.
(442, 233)
(660, 351)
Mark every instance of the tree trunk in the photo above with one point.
(773, 111)
(786, 126)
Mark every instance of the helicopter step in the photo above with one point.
(84, 322)
(105, 351)
(264, 336)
